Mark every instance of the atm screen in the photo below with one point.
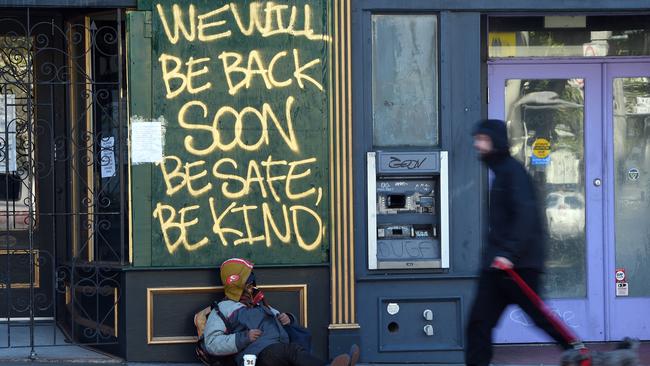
(396, 201)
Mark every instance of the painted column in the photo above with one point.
(341, 176)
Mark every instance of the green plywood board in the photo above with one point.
(145, 4)
(223, 135)
(139, 66)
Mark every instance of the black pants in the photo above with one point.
(286, 354)
(496, 290)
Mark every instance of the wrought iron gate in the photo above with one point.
(63, 171)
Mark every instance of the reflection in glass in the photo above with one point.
(404, 80)
(546, 130)
(583, 36)
(632, 180)
(96, 137)
(16, 144)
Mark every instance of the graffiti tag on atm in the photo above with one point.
(408, 162)
(397, 163)
(406, 249)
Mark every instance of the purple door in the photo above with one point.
(555, 124)
(628, 196)
(590, 161)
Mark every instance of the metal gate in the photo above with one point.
(63, 170)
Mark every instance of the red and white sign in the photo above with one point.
(622, 288)
(620, 275)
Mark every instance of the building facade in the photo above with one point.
(328, 141)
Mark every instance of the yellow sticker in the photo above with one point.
(541, 148)
(503, 44)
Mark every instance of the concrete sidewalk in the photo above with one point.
(507, 355)
(82, 363)
(176, 364)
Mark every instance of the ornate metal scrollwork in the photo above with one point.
(62, 184)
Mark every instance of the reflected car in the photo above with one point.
(565, 214)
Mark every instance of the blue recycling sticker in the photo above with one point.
(540, 161)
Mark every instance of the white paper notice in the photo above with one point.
(7, 132)
(146, 142)
(108, 156)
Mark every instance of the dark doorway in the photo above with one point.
(63, 176)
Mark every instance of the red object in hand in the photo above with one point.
(564, 331)
(503, 262)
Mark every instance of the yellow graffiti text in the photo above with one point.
(253, 176)
(301, 217)
(236, 184)
(239, 178)
(269, 223)
(183, 173)
(295, 210)
(264, 18)
(203, 37)
(233, 69)
(166, 216)
(291, 176)
(241, 127)
(189, 32)
(184, 79)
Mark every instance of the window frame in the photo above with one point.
(367, 79)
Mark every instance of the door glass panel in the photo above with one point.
(404, 80)
(569, 36)
(632, 181)
(546, 130)
(16, 134)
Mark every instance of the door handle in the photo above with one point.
(598, 182)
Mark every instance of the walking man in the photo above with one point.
(515, 240)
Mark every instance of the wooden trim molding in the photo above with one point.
(301, 289)
(37, 270)
(341, 172)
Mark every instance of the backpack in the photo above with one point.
(201, 351)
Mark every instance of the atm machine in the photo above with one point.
(408, 210)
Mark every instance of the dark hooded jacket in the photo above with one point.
(516, 230)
